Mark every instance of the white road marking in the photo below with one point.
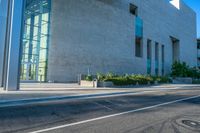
(114, 115)
(103, 106)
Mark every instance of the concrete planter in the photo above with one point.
(105, 84)
(85, 83)
(180, 80)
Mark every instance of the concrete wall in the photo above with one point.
(99, 35)
(162, 20)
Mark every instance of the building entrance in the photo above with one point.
(35, 41)
(29, 72)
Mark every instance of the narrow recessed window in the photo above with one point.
(133, 9)
(163, 60)
(198, 47)
(149, 55)
(138, 37)
(198, 43)
(138, 47)
(157, 59)
(175, 49)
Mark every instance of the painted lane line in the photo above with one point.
(101, 105)
(114, 115)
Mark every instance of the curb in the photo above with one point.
(22, 102)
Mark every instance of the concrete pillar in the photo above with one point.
(14, 43)
(144, 53)
(3, 24)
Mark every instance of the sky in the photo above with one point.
(195, 5)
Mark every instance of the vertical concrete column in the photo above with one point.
(3, 25)
(14, 42)
(144, 52)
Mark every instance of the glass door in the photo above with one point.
(29, 72)
(35, 41)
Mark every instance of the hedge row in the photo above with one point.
(121, 80)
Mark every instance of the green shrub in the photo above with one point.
(100, 77)
(183, 70)
(88, 78)
(141, 79)
(121, 81)
(131, 79)
(196, 81)
(162, 79)
(109, 75)
(194, 73)
(180, 69)
(104, 77)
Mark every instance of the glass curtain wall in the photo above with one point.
(35, 40)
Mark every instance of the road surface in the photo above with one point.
(166, 111)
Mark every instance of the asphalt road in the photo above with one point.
(169, 111)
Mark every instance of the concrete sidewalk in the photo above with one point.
(46, 94)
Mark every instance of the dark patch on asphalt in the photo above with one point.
(192, 123)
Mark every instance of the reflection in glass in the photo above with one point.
(35, 40)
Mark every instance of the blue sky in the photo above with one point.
(195, 5)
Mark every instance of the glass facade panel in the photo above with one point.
(149, 57)
(138, 37)
(157, 59)
(35, 40)
(163, 60)
(138, 27)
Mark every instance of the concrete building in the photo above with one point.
(55, 40)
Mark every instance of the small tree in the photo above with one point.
(183, 70)
(180, 69)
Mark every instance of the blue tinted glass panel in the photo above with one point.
(148, 66)
(139, 27)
